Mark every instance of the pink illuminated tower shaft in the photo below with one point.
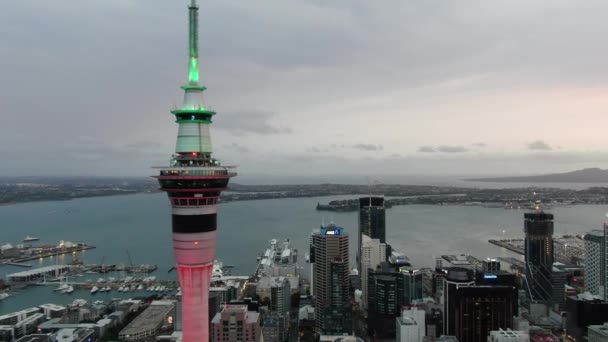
(193, 182)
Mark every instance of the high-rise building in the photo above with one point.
(538, 247)
(373, 252)
(455, 279)
(482, 309)
(193, 182)
(336, 319)
(391, 287)
(492, 275)
(236, 323)
(330, 275)
(596, 262)
(411, 325)
(409, 285)
(372, 221)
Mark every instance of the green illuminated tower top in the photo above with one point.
(193, 116)
(193, 42)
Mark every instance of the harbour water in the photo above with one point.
(141, 224)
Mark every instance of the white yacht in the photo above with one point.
(94, 290)
(62, 287)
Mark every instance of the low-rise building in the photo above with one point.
(52, 310)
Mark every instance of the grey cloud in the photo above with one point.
(539, 145)
(238, 148)
(251, 122)
(315, 149)
(452, 149)
(426, 149)
(368, 147)
(479, 144)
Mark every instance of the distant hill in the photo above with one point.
(591, 175)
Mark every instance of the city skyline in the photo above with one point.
(443, 94)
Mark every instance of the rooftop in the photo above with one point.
(44, 269)
(34, 338)
(52, 306)
(151, 318)
(251, 317)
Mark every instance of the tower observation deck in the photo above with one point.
(193, 182)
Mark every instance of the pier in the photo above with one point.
(16, 264)
(507, 245)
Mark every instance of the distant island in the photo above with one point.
(590, 175)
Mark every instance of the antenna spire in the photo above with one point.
(193, 43)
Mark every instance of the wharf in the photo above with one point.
(507, 245)
(54, 252)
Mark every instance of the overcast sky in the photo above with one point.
(307, 87)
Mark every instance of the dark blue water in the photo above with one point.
(141, 225)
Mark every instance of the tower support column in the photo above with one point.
(194, 281)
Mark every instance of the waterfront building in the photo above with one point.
(372, 221)
(18, 316)
(265, 284)
(147, 325)
(38, 274)
(478, 310)
(538, 253)
(411, 325)
(236, 323)
(279, 259)
(598, 333)
(331, 275)
(53, 310)
(456, 278)
(508, 335)
(596, 262)
(193, 182)
(373, 252)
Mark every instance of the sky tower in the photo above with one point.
(193, 182)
